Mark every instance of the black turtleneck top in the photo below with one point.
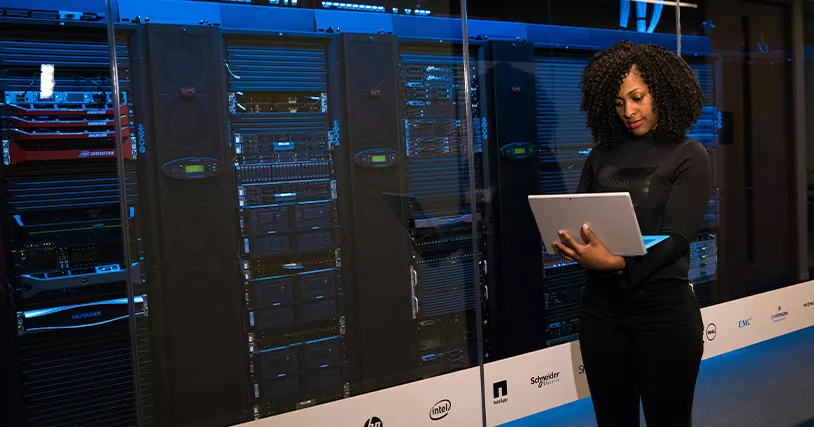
(670, 185)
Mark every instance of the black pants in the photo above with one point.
(641, 344)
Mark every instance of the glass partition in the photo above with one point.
(303, 228)
(760, 155)
(65, 338)
(303, 212)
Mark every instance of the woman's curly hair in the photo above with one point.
(677, 96)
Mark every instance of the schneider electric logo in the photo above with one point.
(500, 391)
(780, 315)
(545, 380)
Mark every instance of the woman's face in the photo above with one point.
(634, 104)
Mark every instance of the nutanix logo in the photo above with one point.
(500, 391)
(80, 316)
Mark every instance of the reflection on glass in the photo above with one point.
(64, 304)
(313, 193)
(299, 192)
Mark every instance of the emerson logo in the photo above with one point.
(780, 315)
(440, 410)
(546, 380)
(500, 390)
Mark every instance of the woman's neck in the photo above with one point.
(648, 137)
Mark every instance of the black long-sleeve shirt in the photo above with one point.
(670, 185)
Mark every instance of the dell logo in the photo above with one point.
(712, 331)
(440, 410)
(374, 422)
(745, 323)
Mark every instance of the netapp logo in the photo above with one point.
(500, 390)
(440, 410)
(374, 422)
(88, 315)
(780, 315)
(712, 331)
(744, 323)
(545, 380)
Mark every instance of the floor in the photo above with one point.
(768, 384)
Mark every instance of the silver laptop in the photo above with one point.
(610, 215)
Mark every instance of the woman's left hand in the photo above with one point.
(593, 255)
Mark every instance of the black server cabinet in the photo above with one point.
(514, 251)
(371, 185)
(188, 210)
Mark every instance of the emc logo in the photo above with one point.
(745, 323)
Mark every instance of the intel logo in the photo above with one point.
(440, 410)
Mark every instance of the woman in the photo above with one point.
(641, 327)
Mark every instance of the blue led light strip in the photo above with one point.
(45, 311)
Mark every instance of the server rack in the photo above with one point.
(704, 274)
(435, 137)
(565, 143)
(62, 232)
(284, 145)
